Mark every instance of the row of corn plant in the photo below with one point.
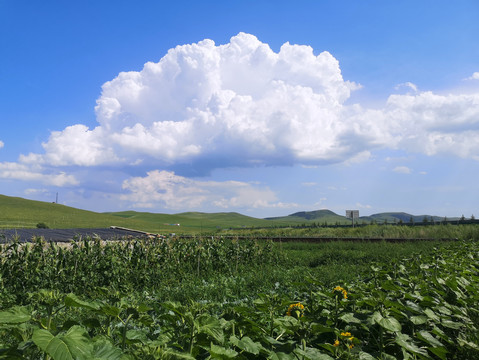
(134, 265)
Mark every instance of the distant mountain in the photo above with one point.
(311, 216)
(394, 217)
(321, 216)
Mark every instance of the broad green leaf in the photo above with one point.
(312, 354)
(375, 318)
(211, 326)
(110, 310)
(418, 320)
(440, 352)
(15, 315)
(413, 307)
(390, 324)
(74, 301)
(404, 341)
(467, 343)
(431, 315)
(391, 286)
(136, 336)
(427, 337)
(451, 324)
(176, 355)
(365, 356)
(246, 344)
(281, 356)
(319, 329)
(349, 318)
(104, 350)
(75, 344)
(219, 352)
(52, 345)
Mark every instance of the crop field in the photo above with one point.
(213, 298)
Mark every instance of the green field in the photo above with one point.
(208, 298)
(212, 296)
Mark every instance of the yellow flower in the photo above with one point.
(295, 310)
(351, 338)
(336, 343)
(351, 346)
(347, 333)
(339, 289)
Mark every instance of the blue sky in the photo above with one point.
(260, 107)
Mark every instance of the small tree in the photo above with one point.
(472, 217)
(42, 225)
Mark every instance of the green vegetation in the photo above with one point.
(439, 231)
(208, 298)
(22, 213)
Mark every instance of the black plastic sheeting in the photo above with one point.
(65, 235)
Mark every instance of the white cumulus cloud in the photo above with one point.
(1, 144)
(166, 189)
(235, 104)
(434, 124)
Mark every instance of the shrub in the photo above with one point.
(42, 225)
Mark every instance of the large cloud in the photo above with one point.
(241, 104)
(234, 104)
(177, 192)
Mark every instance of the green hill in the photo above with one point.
(194, 220)
(395, 217)
(318, 216)
(17, 212)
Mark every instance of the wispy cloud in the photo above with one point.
(24, 172)
(402, 170)
(474, 76)
(361, 206)
(408, 85)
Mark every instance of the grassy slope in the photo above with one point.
(197, 221)
(21, 213)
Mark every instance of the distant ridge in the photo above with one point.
(392, 217)
(331, 217)
(16, 213)
(311, 216)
